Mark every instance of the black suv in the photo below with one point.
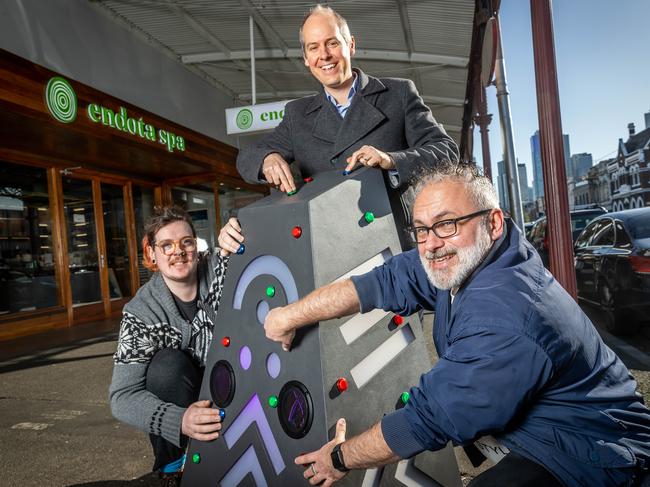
(579, 220)
(612, 261)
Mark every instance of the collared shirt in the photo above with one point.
(393, 175)
(343, 109)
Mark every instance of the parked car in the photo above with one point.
(538, 236)
(612, 262)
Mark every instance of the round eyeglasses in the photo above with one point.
(185, 244)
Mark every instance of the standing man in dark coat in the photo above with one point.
(356, 119)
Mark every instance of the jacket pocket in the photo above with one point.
(593, 451)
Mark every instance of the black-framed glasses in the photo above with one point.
(185, 244)
(443, 228)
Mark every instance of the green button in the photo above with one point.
(369, 217)
(196, 458)
(405, 397)
(291, 193)
(273, 401)
(270, 291)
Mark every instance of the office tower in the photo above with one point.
(581, 164)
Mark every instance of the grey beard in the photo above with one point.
(469, 258)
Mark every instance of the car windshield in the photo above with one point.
(639, 226)
(578, 222)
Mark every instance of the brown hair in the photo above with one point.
(162, 216)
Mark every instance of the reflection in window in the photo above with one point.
(82, 241)
(231, 199)
(27, 278)
(117, 249)
(198, 200)
(143, 203)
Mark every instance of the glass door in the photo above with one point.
(118, 262)
(83, 246)
(98, 247)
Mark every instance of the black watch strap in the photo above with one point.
(337, 459)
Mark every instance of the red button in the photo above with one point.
(342, 384)
(398, 320)
(296, 232)
(308, 179)
(225, 341)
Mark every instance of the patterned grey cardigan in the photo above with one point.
(150, 322)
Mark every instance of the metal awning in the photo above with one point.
(428, 41)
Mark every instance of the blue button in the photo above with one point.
(241, 249)
(222, 413)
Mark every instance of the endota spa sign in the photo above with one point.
(254, 118)
(61, 101)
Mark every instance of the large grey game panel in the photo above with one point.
(279, 404)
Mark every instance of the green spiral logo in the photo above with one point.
(244, 119)
(61, 100)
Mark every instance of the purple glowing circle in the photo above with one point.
(245, 357)
(262, 311)
(273, 365)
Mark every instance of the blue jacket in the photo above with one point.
(519, 360)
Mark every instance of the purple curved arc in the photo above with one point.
(266, 264)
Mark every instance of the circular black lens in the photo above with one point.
(222, 383)
(295, 409)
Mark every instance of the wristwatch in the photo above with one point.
(337, 459)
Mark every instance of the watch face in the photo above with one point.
(295, 409)
(222, 383)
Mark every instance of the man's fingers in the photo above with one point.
(208, 417)
(351, 164)
(234, 233)
(306, 459)
(286, 178)
(286, 342)
(233, 222)
(207, 429)
(340, 430)
(205, 437)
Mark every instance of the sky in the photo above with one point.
(603, 66)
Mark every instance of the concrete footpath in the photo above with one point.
(56, 428)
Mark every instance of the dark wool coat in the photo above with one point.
(387, 113)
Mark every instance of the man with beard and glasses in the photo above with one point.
(521, 368)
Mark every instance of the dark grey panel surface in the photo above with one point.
(335, 239)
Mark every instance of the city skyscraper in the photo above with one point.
(536, 153)
(581, 164)
(502, 186)
(525, 190)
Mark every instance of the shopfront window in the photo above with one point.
(199, 203)
(82, 241)
(27, 277)
(232, 198)
(143, 204)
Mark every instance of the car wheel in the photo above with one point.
(617, 321)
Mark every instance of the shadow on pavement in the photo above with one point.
(43, 358)
(150, 479)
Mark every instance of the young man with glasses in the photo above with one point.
(521, 367)
(164, 337)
